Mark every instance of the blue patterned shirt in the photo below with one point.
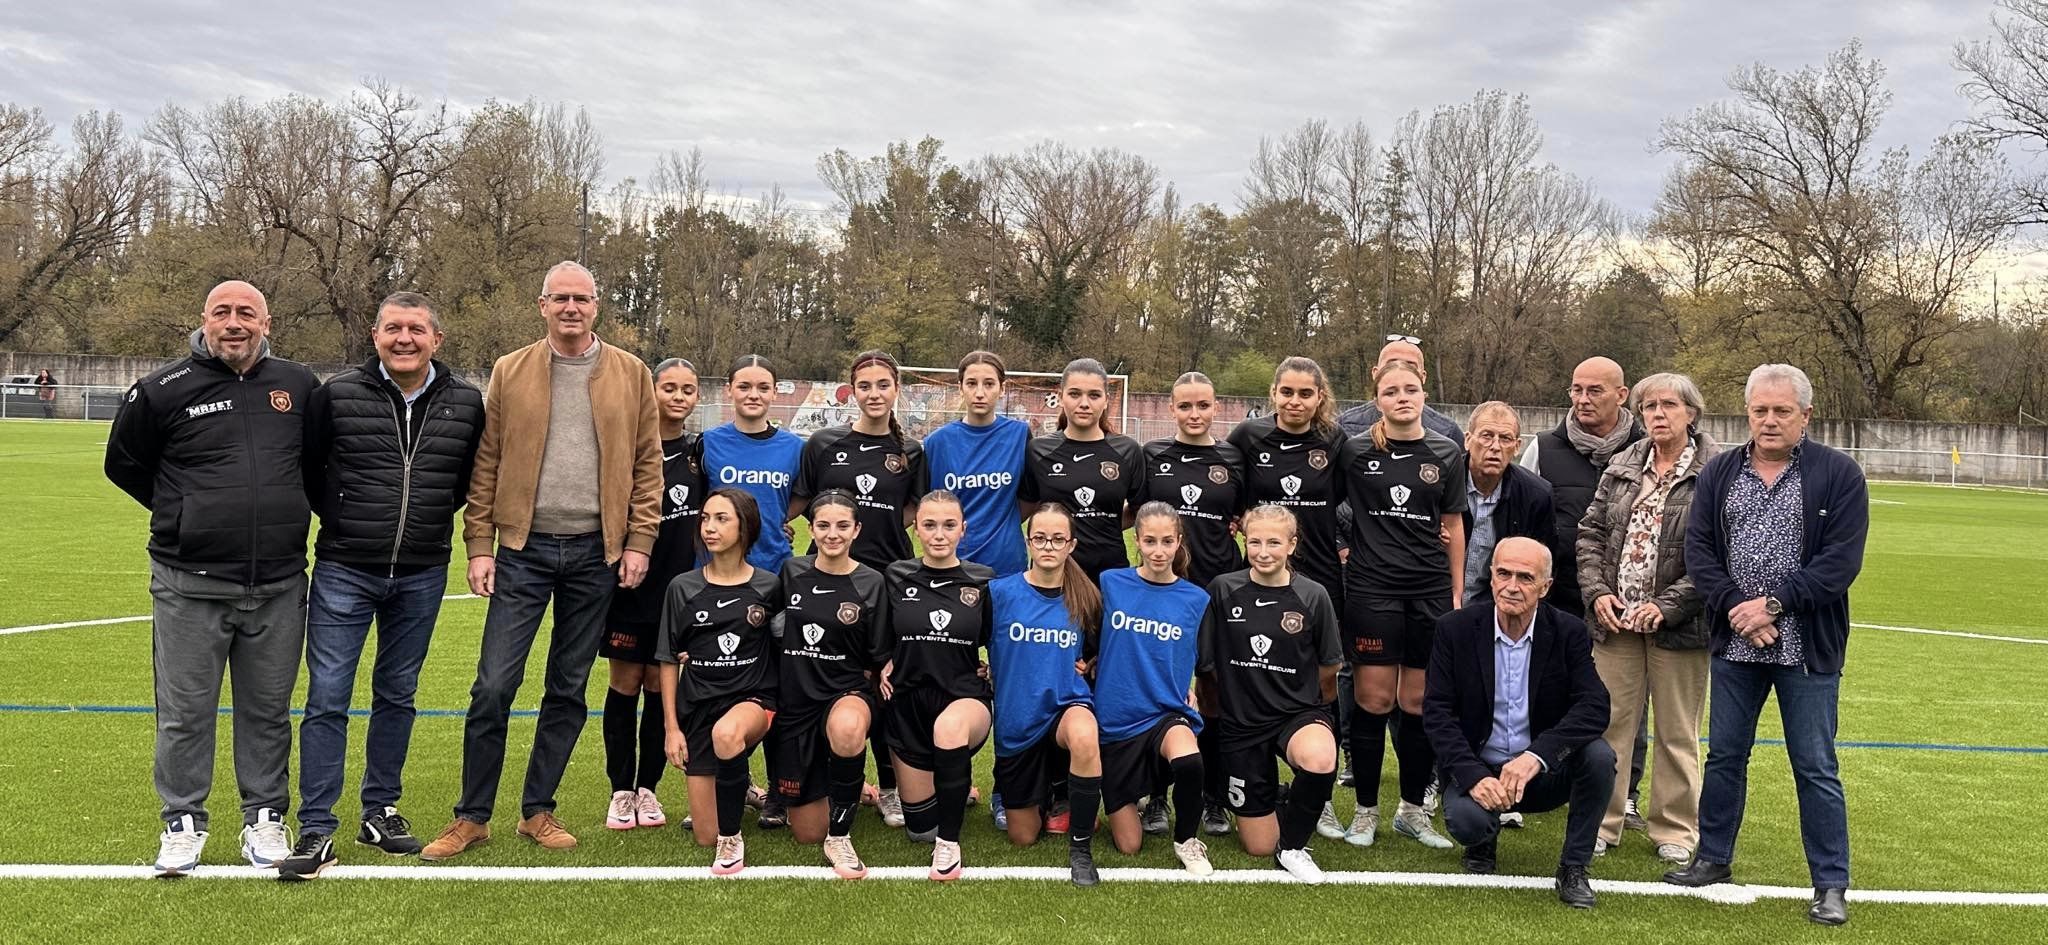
(1766, 532)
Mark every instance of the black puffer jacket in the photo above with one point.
(387, 477)
(216, 458)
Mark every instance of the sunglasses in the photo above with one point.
(1411, 339)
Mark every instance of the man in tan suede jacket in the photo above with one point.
(563, 505)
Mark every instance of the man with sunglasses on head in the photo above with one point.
(1405, 348)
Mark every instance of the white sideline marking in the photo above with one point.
(1726, 893)
(105, 621)
(1951, 633)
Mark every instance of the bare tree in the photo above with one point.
(72, 213)
(2007, 77)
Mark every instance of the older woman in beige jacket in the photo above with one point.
(1641, 609)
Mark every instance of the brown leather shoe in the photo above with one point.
(544, 829)
(455, 838)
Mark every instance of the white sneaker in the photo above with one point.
(1511, 821)
(1600, 847)
(647, 809)
(177, 852)
(845, 862)
(621, 815)
(1414, 822)
(945, 861)
(1365, 827)
(1674, 853)
(1328, 825)
(1300, 865)
(265, 842)
(1194, 854)
(891, 806)
(731, 856)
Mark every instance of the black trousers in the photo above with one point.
(1583, 781)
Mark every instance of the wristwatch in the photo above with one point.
(1773, 606)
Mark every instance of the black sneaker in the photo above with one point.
(774, 815)
(1154, 819)
(314, 853)
(387, 830)
(1081, 865)
(1215, 821)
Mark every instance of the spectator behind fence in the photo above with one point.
(389, 446)
(1775, 540)
(212, 445)
(46, 391)
(564, 505)
(1648, 637)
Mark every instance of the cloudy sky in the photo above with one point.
(765, 88)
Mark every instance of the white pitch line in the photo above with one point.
(144, 618)
(1732, 894)
(1951, 633)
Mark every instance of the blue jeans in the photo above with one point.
(570, 570)
(1806, 708)
(340, 607)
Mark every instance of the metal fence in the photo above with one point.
(24, 400)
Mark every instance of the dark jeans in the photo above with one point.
(570, 570)
(1806, 708)
(1584, 781)
(338, 614)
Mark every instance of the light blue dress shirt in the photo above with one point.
(415, 395)
(1510, 735)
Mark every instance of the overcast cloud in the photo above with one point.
(765, 88)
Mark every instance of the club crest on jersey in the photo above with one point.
(1084, 496)
(1059, 469)
(795, 599)
(1190, 494)
(678, 495)
(1291, 621)
(1399, 494)
(1317, 459)
(1261, 645)
(849, 613)
(756, 615)
(813, 633)
(1237, 613)
(940, 618)
(1430, 473)
(865, 483)
(1110, 471)
(893, 462)
(910, 592)
(281, 401)
(1219, 474)
(1372, 465)
(703, 616)
(1265, 459)
(970, 596)
(839, 458)
(1290, 485)
(728, 642)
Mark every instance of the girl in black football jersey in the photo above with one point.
(1201, 478)
(1268, 666)
(827, 703)
(870, 459)
(634, 620)
(1406, 490)
(1290, 460)
(1088, 467)
(938, 623)
(720, 701)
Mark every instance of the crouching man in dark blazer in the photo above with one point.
(1515, 710)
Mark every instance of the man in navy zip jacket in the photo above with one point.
(1775, 540)
(212, 446)
(389, 448)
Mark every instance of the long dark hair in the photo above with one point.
(871, 358)
(1084, 599)
(744, 506)
(1086, 366)
(1324, 423)
(830, 497)
(1154, 510)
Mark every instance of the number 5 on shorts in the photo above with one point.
(1237, 792)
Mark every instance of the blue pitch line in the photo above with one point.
(531, 713)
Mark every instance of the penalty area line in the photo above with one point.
(143, 618)
(1727, 893)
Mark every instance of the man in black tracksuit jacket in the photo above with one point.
(389, 449)
(212, 446)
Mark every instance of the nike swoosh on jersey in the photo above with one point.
(821, 590)
(1263, 603)
(1081, 456)
(939, 584)
(1284, 447)
(728, 603)
(870, 446)
(1189, 459)
(665, 457)
(1399, 455)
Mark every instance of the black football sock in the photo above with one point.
(1368, 739)
(1210, 743)
(921, 818)
(885, 773)
(846, 775)
(653, 743)
(1417, 756)
(1187, 796)
(1084, 802)
(618, 737)
(952, 773)
(731, 794)
(1304, 804)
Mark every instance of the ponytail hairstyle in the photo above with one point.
(1324, 422)
(1192, 377)
(871, 358)
(751, 360)
(1156, 510)
(667, 363)
(939, 495)
(1086, 366)
(743, 506)
(828, 498)
(1084, 599)
(989, 358)
(1379, 427)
